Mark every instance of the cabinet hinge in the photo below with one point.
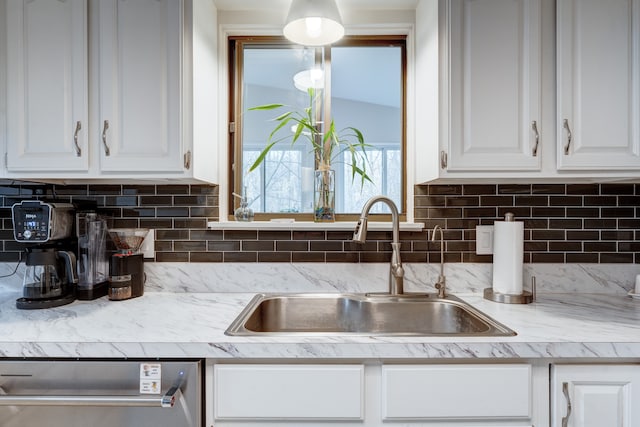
(443, 160)
(187, 160)
(232, 127)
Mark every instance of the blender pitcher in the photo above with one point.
(93, 265)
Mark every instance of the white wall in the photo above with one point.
(3, 87)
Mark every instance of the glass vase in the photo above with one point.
(324, 196)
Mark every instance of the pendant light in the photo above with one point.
(313, 22)
(309, 79)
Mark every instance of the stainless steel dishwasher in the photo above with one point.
(101, 393)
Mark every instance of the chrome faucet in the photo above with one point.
(396, 272)
(440, 284)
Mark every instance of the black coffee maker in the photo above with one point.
(50, 277)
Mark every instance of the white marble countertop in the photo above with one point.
(181, 324)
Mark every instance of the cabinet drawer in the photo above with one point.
(456, 391)
(329, 392)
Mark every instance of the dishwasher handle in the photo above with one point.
(46, 400)
(167, 400)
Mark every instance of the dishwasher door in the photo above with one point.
(100, 393)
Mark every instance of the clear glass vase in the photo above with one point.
(324, 196)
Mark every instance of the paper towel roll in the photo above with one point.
(508, 247)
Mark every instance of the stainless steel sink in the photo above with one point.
(359, 314)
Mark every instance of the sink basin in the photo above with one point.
(359, 314)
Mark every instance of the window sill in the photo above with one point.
(308, 225)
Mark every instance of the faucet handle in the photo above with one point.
(360, 232)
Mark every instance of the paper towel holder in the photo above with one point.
(525, 298)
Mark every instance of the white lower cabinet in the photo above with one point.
(456, 392)
(595, 395)
(374, 394)
(288, 392)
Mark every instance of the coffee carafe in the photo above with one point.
(49, 279)
(93, 265)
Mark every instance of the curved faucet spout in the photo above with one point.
(396, 272)
(441, 283)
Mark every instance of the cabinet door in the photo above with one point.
(595, 396)
(598, 64)
(288, 392)
(140, 124)
(494, 86)
(470, 392)
(47, 102)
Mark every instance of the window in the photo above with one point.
(361, 84)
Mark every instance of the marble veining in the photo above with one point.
(338, 277)
(364, 277)
(170, 324)
(582, 312)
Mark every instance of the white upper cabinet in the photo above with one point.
(494, 86)
(532, 90)
(108, 89)
(480, 80)
(140, 124)
(598, 69)
(47, 88)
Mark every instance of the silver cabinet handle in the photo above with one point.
(565, 391)
(565, 124)
(534, 126)
(107, 152)
(187, 160)
(443, 159)
(75, 138)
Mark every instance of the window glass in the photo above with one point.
(276, 186)
(365, 91)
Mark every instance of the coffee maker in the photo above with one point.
(127, 276)
(50, 277)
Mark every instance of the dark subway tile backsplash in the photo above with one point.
(572, 223)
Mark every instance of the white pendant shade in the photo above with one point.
(313, 22)
(307, 79)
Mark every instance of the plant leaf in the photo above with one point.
(282, 124)
(282, 116)
(326, 147)
(262, 155)
(357, 133)
(266, 107)
(298, 132)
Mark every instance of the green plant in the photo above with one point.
(326, 147)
